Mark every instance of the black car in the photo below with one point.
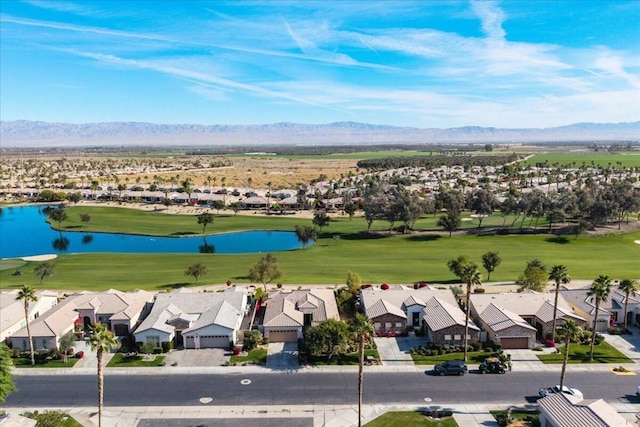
(452, 367)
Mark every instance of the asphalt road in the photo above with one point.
(309, 388)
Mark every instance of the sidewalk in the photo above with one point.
(466, 415)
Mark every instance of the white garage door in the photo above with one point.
(283, 336)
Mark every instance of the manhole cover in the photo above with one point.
(245, 382)
(206, 399)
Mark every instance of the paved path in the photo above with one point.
(466, 415)
(396, 351)
(283, 356)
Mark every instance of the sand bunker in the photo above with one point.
(40, 257)
(637, 242)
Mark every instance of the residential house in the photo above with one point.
(288, 312)
(195, 319)
(119, 311)
(434, 312)
(562, 410)
(517, 320)
(12, 310)
(585, 306)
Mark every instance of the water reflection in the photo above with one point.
(87, 238)
(206, 248)
(61, 244)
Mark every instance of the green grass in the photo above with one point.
(342, 359)
(628, 159)
(472, 357)
(120, 360)
(578, 353)
(378, 258)
(256, 356)
(404, 419)
(21, 362)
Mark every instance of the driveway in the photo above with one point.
(283, 356)
(201, 357)
(395, 351)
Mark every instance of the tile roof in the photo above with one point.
(287, 308)
(382, 307)
(397, 296)
(571, 411)
(201, 308)
(12, 310)
(579, 298)
(57, 320)
(441, 315)
(528, 303)
(499, 319)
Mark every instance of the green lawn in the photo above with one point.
(628, 159)
(472, 357)
(21, 362)
(578, 353)
(256, 356)
(378, 258)
(120, 360)
(404, 419)
(342, 359)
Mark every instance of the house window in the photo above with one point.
(154, 339)
(447, 340)
(377, 325)
(389, 325)
(44, 343)
(24, 345)
(456, 339)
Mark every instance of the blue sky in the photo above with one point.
(418, 63)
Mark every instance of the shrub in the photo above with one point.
(537, 348)
(476, 346)
(615, 331)
(15, 353)
(167, 346)
(252, 339)
(80, 354)
(478, 291)
(157, 350)
(599, 339)
(384, 286)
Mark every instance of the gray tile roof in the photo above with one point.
(441, 315)
(527, 303)
(398, 296)
(579, 298)
(201, 308)
(571, 411)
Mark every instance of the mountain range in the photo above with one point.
(25, 133)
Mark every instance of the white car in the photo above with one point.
(545, 391)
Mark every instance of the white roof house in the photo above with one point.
(12, 311)
(561, 410)
(195, 319)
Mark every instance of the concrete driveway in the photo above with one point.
(201, 357)
(283, 356)
(395, 351)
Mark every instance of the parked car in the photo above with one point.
(451, 367)
(545, 391)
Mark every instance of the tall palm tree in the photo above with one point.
(102, 340)
(559, 275)
(27, 294)
(362, 329)
(629, 287)
(569, 330)
(470, 274)
(600, 290)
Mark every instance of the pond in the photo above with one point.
(25, 232)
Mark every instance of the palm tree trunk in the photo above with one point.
(360, 377)
(555, 310)
(466, 321)
(100, 388)
(565, 359)
(595, 326)
(626, 302)
(26, 318)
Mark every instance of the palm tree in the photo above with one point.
(600, 289)
(559, 275)
(629, 287)
(27, 294)
(470, 274)
(569, 330)
(362, 328)
(101, 340)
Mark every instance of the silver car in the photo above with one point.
(545, 391)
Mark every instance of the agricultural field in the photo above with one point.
(576, 159)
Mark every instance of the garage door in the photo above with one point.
(283, 336)
(515, 342)
(214, 342)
